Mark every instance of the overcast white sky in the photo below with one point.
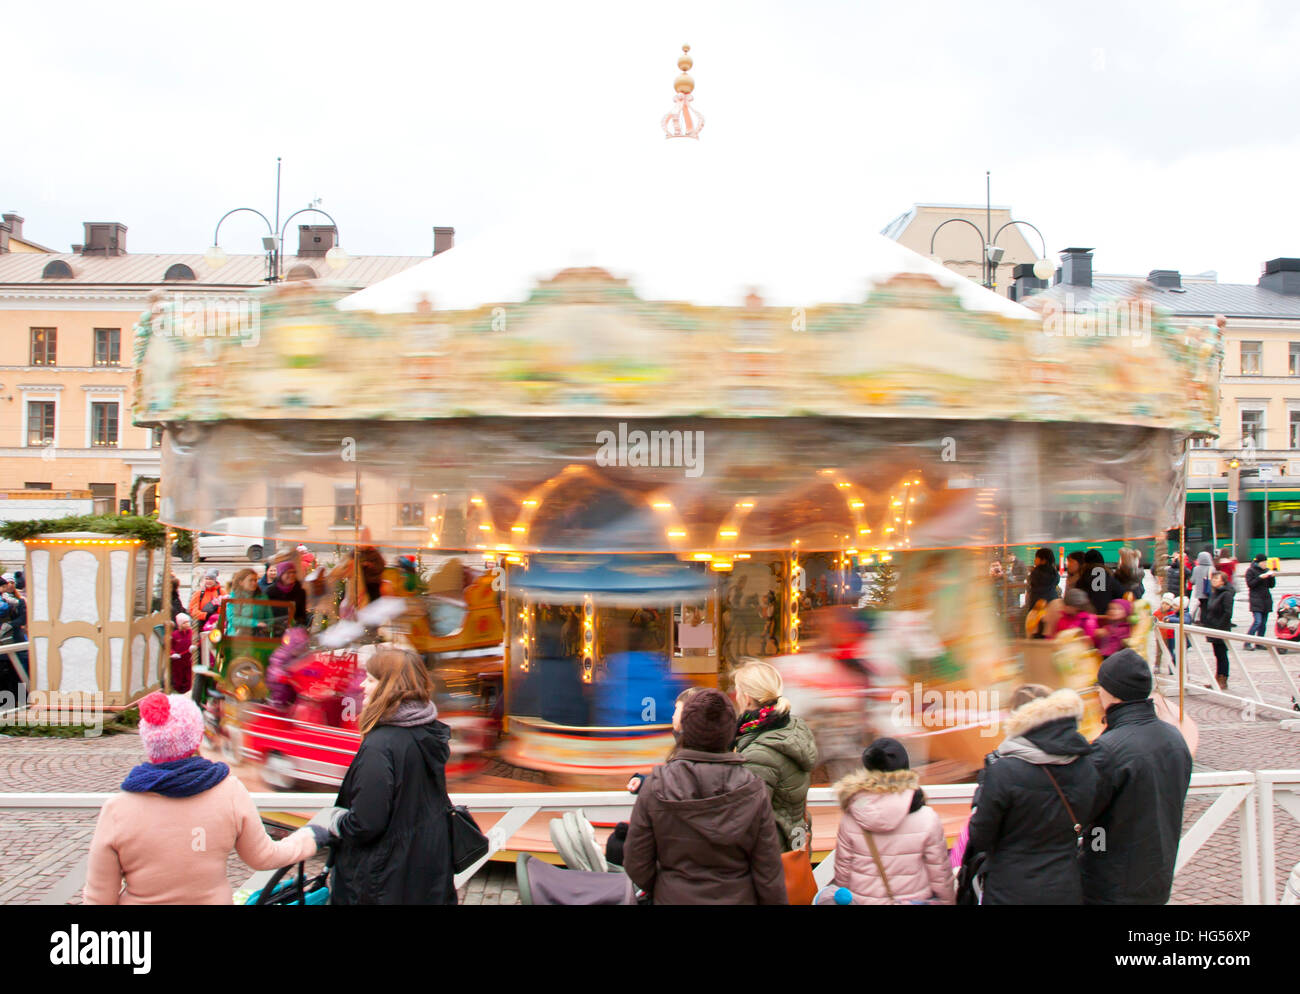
(1163, 134)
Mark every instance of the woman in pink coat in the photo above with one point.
(884, 803)
(166, 838)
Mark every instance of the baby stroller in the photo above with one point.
(1287, 625)
(589, 879)
(282, 889)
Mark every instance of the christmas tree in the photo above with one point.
(880, 591)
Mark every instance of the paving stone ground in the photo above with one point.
(40, 849)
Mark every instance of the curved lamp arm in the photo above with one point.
(983, 260)
(215, 235)
(1027, 224)
(304, 210)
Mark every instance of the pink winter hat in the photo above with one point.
(171, 726)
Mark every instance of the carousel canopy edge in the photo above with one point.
(583, 344)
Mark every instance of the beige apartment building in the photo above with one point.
(66, 324)
(960, 235)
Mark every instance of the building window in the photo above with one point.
(155, 440)
(103, 425)
(1294, 435)
(1252, 429)
(44, 346)
(40, 422)
(1294, 367)
(410, 512)
(286, 505)
(108, 490)
(108, 346)
(345, 506)
(38, 486)
(1250, 353)
(1201, 443)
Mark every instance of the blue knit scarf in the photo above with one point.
(179, 778)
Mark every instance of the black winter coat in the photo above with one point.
(1172, 584)
(394, 843)
(1144, 769)
(1101, 587)
(1023, 826)
(1261, 589)
(1217, 612)
(1044, 584)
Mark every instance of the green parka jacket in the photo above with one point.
(783, 758)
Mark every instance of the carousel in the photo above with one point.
(671, 461)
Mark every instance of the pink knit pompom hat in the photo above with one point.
(171, 726)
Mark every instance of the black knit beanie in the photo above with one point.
(885, 755)
(1126, 675)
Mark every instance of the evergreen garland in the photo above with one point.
(148, 529)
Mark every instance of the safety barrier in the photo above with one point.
(1272, 702)
(1248, 795)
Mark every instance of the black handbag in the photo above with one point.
(468, 843)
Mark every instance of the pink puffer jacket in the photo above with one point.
(911, 844)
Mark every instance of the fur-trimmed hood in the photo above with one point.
(876, 800)
(1061, 704)
(875, 782)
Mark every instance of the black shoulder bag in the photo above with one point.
(468, 843)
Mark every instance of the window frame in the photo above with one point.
(50, 347)
(53, 432)
(1293, 358)
(1257, 352)
(1260, 436)
(275, 510)
(114, 338)
(345, 515)
(116, 441)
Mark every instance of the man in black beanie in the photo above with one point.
(1145, 768)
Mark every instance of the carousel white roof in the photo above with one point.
(675, 233)
(503, 267)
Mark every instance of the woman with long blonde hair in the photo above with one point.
(778, 747)
(394, 834)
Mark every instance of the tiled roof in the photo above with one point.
(23, 269)
(1233, 300)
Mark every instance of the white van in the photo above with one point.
(234, 538)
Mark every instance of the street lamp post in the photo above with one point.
(273, 241)
(991, 254)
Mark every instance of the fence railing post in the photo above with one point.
(1249, 847)
(1267, 857)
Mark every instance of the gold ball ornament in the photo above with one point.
(684, 83)
(684, 61)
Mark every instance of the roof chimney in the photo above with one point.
(1281, 276)
(103, 238)
(316, 239)
(1023, 281)
(1170, 279)
(443, 239)
(15, 224)
(1076, 266)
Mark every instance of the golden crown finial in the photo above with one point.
(681, 122)
(684, 83)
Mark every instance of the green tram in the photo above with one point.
(1283, 531)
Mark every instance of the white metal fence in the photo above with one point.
(1249, 796)
(1280, 696)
